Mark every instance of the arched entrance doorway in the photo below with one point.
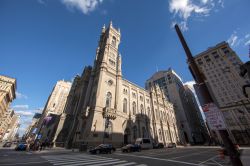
(126, 137)
(186, 137)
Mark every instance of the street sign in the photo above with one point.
(214, 117)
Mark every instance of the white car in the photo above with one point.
(145, 143)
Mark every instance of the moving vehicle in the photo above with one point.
(158, 145)
(145, 143)
(21, 146)
(7, 144)
(131, 148)
(102, 148)
(171, 145)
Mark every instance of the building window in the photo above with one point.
(199, 61)
(109, 128)
(141, 109)
(108, 100)
(160, 135)
(125, 103)
(148, 112)
(134, 108)
(134, 132)
(141, 98)
(114, 41)
(144, 133)
(207, 59)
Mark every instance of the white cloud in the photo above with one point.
(233, 39)
(24, 113)
(20, 107)
(184, 9)
(84, 6)
(247, 43)
(41, 2)
(21, 96)
(247, 36)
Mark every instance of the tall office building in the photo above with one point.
(50, 117)
(220, 66)
(190, 127)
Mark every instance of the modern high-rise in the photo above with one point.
(49, 120)
(110, 109)
(220, 66)
(7, 93)
(190, 127)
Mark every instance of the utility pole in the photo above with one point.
(206, 97)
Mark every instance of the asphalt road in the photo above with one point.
(196, 156)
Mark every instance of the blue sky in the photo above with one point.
(42, 41)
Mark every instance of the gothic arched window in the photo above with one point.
(148, 112)
(144, 132)
(134, 108)
(114, 41)
(141, 109)
(125, 103)
(134, 132)
(160, 135)
(108, 100)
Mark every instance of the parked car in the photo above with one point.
(145, 143)
(158, 145)
(171, 145)
(131, 148)
(102, 148)
(7, 144)
(21, 146)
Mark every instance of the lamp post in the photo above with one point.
(207, 98)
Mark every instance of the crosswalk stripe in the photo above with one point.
(132, 163)
(77, 161)
(74, 158)
(116, 162)
(85, 162)
(142, 165)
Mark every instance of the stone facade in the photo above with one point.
(221, 67)
(111, 109)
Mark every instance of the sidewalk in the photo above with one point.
(245, 157)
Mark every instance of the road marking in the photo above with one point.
(154, 158)
(73, 160)
(191, 154)
(86, 162)
(132, 163)
(208, 159)
(76, 160)
(217, 162)
(35, 162)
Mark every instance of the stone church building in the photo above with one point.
(103, 107)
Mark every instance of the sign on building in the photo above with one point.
(214, 117)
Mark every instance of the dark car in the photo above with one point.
(21, 146)
(102, 148)
(7, 144)
(158, 145)
(131, 148)
(171, 145)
